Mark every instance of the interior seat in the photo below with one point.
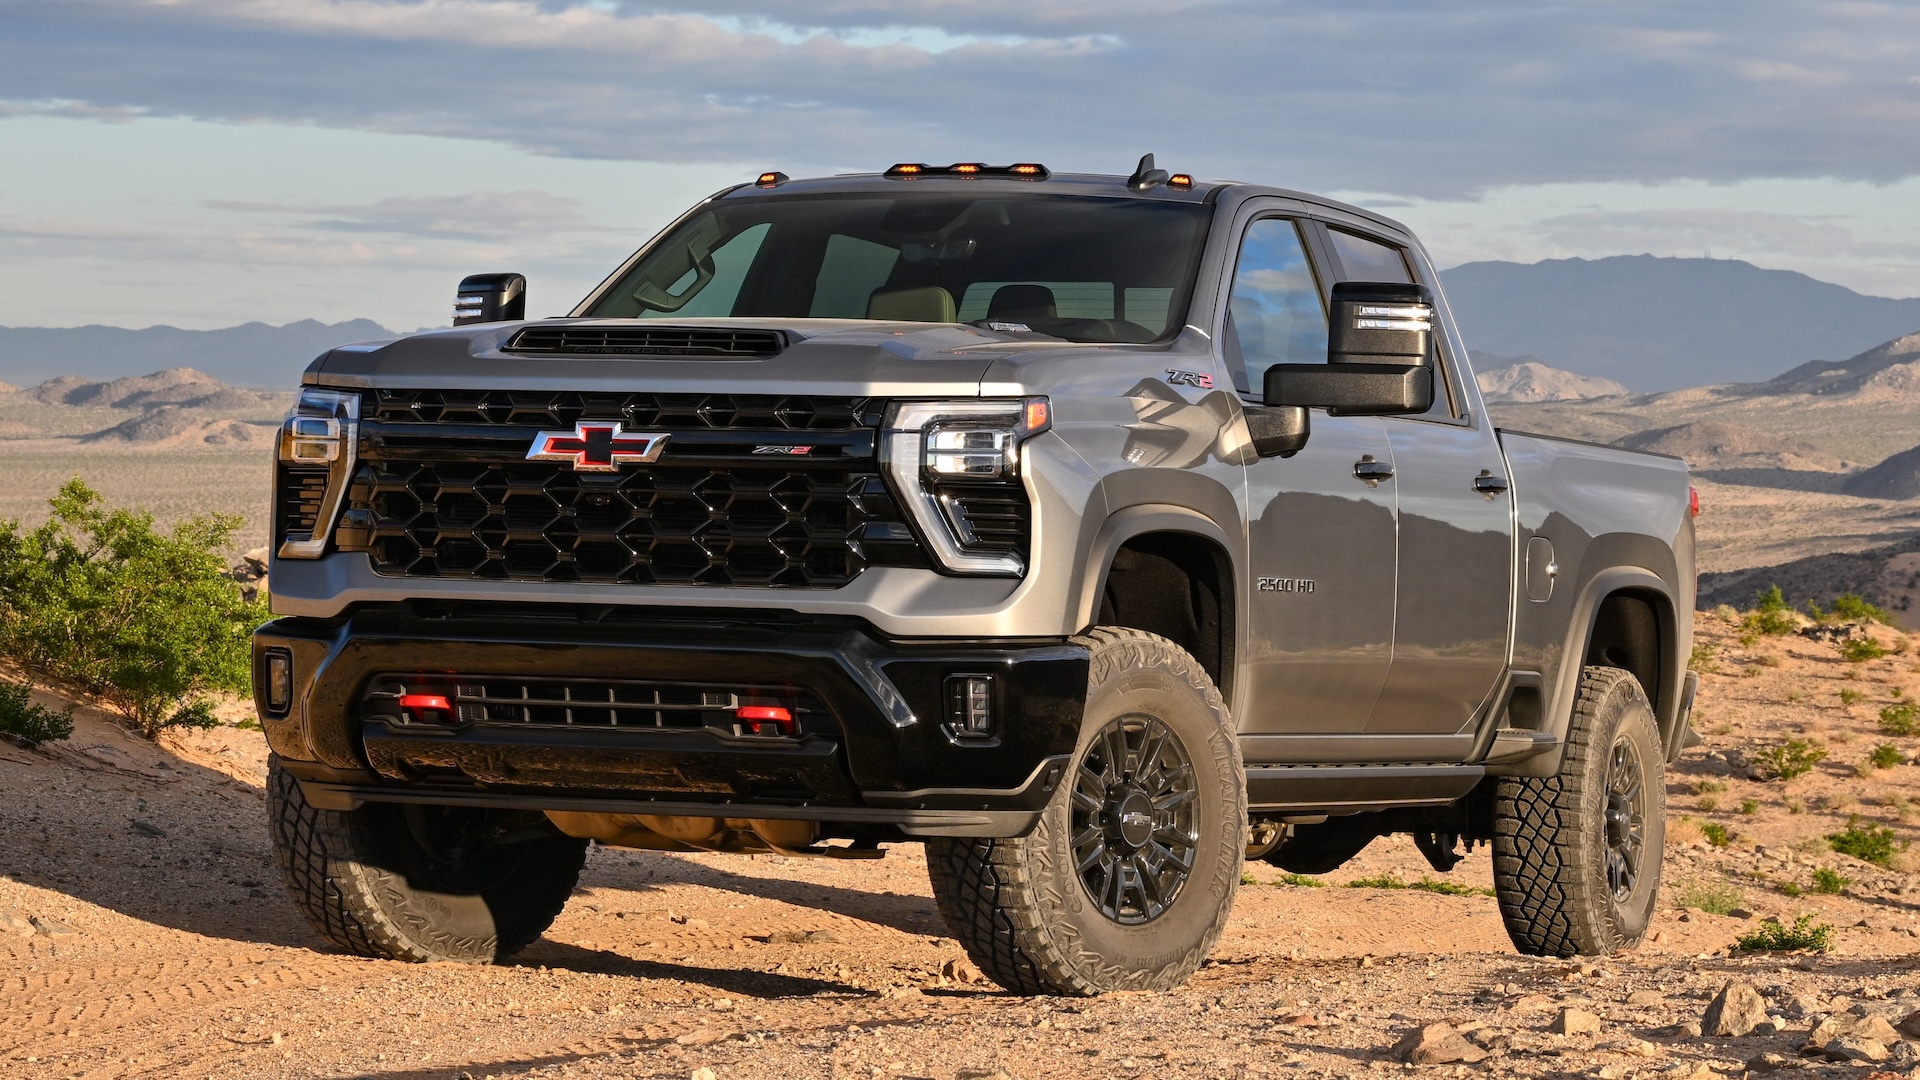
(928, 303)
(1017, 303)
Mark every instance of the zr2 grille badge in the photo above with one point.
(598, 446)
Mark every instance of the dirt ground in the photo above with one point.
(144, 933)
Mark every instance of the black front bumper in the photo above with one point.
(887, 758)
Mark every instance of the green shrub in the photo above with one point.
(1884, 756)
(27, 722)
(1715, 897)
(1771, 616)
(1425, 884)
(1849, 607)
(1708, 803)
(1868, 844)
(1303, 881)
(1901, 719)
(1850, 696)
(1803, 935)
(1830, 882)
(1710, 787)
(1716, 834)
(1795, 757)
(1702, 659)
(1859, 650)
(1749, 807)
(149, 621)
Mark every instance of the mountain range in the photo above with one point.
(1661, 323)
(253, 354)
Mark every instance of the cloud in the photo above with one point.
(478, 215)
(1436, 101)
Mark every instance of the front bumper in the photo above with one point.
(888, 759)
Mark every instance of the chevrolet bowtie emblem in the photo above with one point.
(598, 446)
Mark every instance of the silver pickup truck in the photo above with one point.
(1098, 532)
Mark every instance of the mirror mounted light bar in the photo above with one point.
(1025, 170)
(1376, 322)
(485, 298)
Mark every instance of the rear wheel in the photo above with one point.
(421, 883)
(1127, 881)
(1577, 855)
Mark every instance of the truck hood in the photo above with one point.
(829, 357)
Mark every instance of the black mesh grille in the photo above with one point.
(591, 703)
(750, 491)
(298, 495)
(647, 341)
(990, 520)
(550, 409)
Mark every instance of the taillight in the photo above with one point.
(1693, 500)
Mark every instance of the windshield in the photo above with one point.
(1078, 268)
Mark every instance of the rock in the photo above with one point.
(1576, 1022)
(1646, 999)
(961, 970)
(1910, 1027)
(148, 827)
(1437, 1044)
(1740, 913)
(982, 1074)
(1736, 1011)
(1531, 1003)
(703, 1073)
(53, 928)
(1852, 1048)
(700, 1037)
(821, 937)
(1904, 1053)
(1872, 1028)
(1772, 1062)
(14, 924)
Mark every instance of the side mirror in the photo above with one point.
(485, 298)
(1379, 355)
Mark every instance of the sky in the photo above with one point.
(201, 163)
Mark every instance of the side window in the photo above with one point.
(1274, 314)
(716, 296)
(1366, 259)
(1369, 260)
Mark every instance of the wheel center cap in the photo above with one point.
(1619, 820)
(1133, 813)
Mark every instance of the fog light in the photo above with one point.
(279, 680)
(970, 705)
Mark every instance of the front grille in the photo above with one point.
(765, 492)
(517, 701)
(560, 409)
(647, 341)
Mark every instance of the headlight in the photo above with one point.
(316, 457)
(957, 463)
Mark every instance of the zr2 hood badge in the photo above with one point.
(598, 446)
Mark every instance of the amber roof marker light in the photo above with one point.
(972, 170)
(771, 179)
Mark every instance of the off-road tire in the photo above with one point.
(362, 880)
(1019, 906)
(1551, 842)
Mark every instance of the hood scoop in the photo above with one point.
(705, 342)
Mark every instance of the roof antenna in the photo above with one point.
(1146, 175)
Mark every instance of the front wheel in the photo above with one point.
(1127, 881)
(1577, 855)
(421, 883)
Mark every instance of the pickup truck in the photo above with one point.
(1098, 532)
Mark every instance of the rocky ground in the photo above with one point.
(144, 933)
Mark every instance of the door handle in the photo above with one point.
(1488, 484)
(1372, 471)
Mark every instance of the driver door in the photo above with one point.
(1322, 545)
